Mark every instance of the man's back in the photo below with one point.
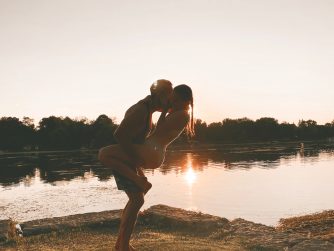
(140, 130)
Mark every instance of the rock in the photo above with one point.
(318, 226)
(169, 217)
(42, 226)
(257, 236)
(313, 245)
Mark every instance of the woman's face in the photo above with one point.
(177, 103)
(165, 99)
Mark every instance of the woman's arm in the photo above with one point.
(175, 121)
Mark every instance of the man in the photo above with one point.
(133, 129)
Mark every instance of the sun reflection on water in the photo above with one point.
(190, 175)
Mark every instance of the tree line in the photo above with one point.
(59, 133)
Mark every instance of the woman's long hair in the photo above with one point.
(185, 92)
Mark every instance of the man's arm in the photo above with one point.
(130, 126)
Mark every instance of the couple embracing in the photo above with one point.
(138, 148)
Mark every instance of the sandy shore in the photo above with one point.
(161, 227)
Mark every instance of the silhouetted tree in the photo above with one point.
(266, 128)
(65, 133)
(15, 134)
(308, 129)
(62, 133)
(215, 132)
(200, 130)
(102, 131)
(287, 131)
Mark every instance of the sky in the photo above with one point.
(250, 58)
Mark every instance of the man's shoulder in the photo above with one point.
(139, 108)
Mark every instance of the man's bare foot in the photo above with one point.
(131, 248)
(116, 247)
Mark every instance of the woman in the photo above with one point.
(152, 152)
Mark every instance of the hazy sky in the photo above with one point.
(250, 58)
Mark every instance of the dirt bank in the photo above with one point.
(161, 227)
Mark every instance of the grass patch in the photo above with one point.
(104, 239)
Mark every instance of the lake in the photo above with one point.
(257, 182)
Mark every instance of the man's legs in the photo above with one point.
(107, 158)
(120, 227)
(128, 219)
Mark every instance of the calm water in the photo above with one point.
(260, 183)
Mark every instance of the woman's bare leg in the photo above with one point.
(128, 220)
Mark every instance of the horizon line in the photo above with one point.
(115, 119)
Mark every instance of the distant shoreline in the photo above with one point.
(195, 146)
